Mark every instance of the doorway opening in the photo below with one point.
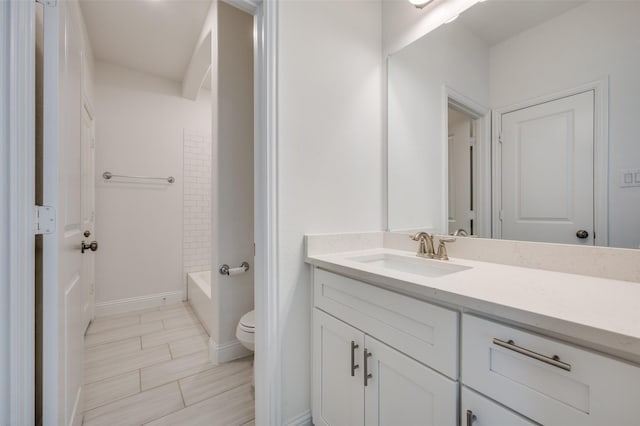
(461, 141)
(468, 136)
(154, 206)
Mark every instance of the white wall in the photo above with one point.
(581, 46)
(140, 121)
(196, 251)
(232, 239)
(330, 166)
(4, 214)
(417, 113)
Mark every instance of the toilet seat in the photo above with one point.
(245, 332)
(248, 322)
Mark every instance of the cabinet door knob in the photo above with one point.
(354, 366)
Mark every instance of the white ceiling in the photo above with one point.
(498, 20)
(154, 36)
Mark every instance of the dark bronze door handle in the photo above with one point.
(582, 234)
(93, 246)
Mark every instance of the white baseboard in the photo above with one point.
(135, 303)
(303, 419)
(227, 351)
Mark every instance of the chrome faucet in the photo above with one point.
(426, 244)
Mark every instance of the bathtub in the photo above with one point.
(199, 295)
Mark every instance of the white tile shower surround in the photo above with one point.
(152, 367)
(197, 202)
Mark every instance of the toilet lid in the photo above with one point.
(248, 321)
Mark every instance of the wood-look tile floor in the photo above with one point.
(152, 367)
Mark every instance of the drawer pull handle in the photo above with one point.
(367, 375)
(354, 346)
(554, 360)
(470, 417)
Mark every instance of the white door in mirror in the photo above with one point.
(547, 172)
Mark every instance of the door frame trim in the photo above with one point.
(600, 154)
(482, 174)
(21, 107)
(20, 117)
(268, 366)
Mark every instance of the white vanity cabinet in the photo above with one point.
(385, 358)
(477, 410)
(359, 377)
(547, 381)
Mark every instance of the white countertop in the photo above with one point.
(603, 314)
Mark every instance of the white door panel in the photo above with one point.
(62, 175)
(70, 213)
(547, 171)
(88, 214)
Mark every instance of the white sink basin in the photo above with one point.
(412, 265)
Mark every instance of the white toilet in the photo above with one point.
(245, 331)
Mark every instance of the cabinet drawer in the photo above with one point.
(425, 332)
(476, 410)
(583, 388)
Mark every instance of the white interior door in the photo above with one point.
(547, 172)
(88, 213)
(62, 263)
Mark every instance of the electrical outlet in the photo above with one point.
(629, 178)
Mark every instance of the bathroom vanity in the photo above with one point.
(399, 339)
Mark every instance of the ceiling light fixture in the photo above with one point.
(420, 3)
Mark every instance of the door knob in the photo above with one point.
(582, 234)
(93, 246)
(87, 233)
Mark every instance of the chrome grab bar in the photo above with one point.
(109, 175)
(554, 360)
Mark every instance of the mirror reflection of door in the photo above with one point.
(460, 170)
(547, 172)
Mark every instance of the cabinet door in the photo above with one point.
(476, 410)
(402, 391)
(338, 396)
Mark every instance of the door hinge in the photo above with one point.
(50, 3)
(471, 215)
(501, 215)
(500, 138)
(472, 141)
(44, 220)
